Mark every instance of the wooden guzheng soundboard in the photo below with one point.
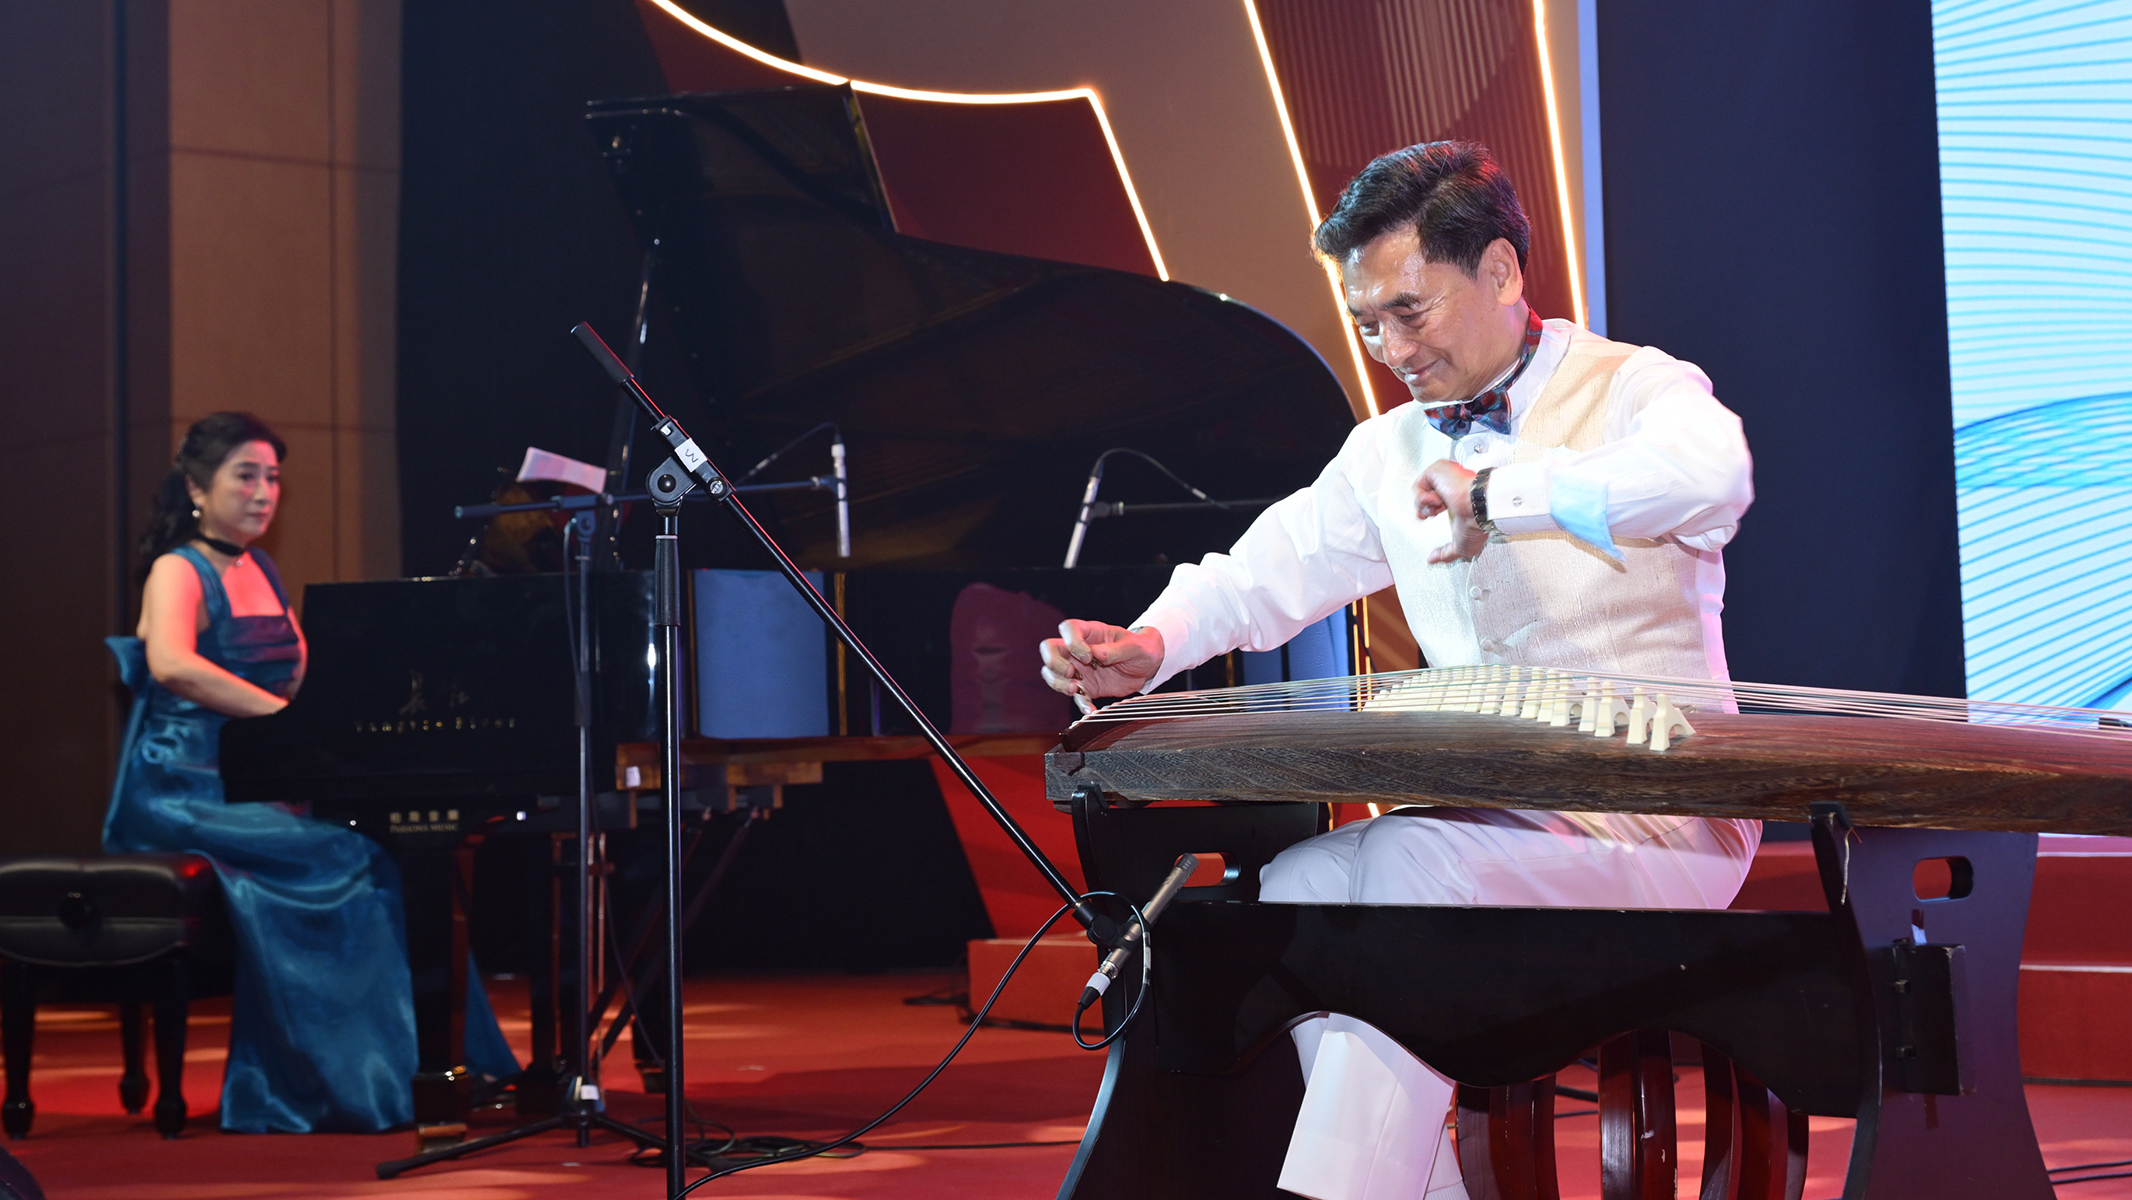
(1887, 1008)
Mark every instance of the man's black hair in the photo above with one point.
(1452, 193)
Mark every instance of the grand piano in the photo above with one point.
(974, 389)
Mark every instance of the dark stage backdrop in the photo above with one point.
(510, 233)
(1773, 215)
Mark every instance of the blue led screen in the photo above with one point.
(2035, 138)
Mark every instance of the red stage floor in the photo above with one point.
(805, 1057)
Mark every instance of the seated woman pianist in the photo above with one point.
(322, 1031)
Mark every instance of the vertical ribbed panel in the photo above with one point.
(1366, 76)
(2035, 130)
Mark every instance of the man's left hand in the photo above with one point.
(1445, 486)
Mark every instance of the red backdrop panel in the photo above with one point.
(1035, 179)
(1364, 79)
(1016, 897)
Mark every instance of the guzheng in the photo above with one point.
(1893, 1007)
(1502, 736)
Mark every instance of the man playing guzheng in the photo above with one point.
(1550, 499)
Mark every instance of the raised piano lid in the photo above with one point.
(974, 388)
(447, 688)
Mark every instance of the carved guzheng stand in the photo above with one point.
(1893, 1010)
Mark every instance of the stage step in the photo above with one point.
(2076, 957)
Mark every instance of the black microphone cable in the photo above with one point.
(1095, 481)
(836, 434)
(1175, 478)
(1147, 956)
(811, 1150)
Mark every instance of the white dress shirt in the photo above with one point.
(1672, 467)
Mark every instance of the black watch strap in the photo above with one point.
(1479, 494)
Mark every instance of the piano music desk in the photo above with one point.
(1844, 1013)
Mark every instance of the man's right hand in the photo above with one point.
(1090, 659)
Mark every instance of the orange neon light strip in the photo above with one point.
(1570, 240)
(1310, 205)
(1110, 139)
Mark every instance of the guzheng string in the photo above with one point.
(1524, 691)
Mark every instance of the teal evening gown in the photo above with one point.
(322, 1028)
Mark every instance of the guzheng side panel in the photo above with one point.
(1885, 771)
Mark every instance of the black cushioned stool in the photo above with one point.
(126, 928)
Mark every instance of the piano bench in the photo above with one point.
(123, 928)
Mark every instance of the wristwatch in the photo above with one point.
(1479, 494)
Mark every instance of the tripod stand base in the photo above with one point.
(583, 1121)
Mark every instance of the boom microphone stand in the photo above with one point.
(687, 469)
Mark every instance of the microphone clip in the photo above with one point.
(1136, 933)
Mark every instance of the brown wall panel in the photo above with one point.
(252, 77)
(58, 413)
(366, 477)
(251, 276)
(284, 196)
(229, 239)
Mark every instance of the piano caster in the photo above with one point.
(439, 1136)
(442, 1099)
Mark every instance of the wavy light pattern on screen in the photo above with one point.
(2035, 137)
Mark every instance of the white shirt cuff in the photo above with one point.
(1520, 498)
(1176, 638)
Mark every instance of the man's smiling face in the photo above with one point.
(1445, 333)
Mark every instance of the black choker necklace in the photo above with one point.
(219, 546)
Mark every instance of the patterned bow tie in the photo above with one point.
(1492, 407)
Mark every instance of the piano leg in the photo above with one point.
(541, 863)
(431, 881)
(18, 1030)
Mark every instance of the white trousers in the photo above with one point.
(1372, 1125)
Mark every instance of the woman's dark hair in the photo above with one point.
(1452, 193)
(200, 455)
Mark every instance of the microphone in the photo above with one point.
(1088, 505)
(1115, 961)
(836, 459)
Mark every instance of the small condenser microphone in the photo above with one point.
(1115, 961)
(1088, 509)
(836, 460)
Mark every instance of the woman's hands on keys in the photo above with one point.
(1090, 659)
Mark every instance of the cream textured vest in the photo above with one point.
(1547, 599)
